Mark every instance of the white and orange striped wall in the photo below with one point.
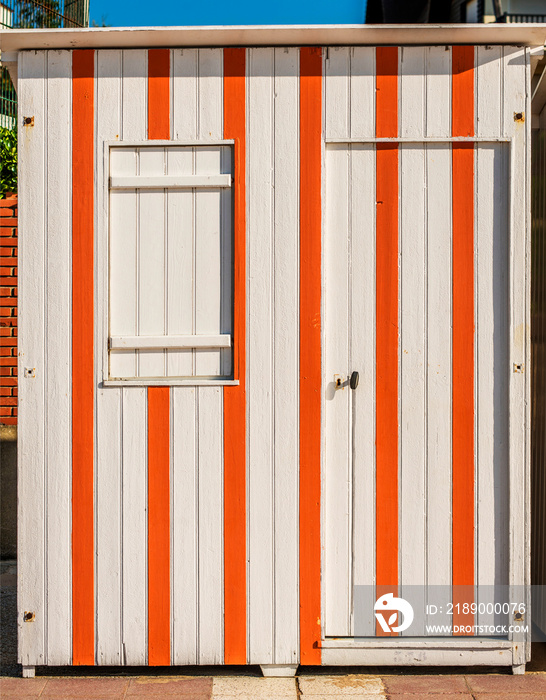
(379, 224)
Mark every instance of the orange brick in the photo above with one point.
(9, 402)
(6, 358)
(9, 421)
(8, 381)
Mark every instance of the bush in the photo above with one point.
(8, 161)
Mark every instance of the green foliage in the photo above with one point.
(8, 161)
(46, 13)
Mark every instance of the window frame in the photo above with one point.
(102, 252)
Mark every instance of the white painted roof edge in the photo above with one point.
(12, 40)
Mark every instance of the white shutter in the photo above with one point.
(170, 281)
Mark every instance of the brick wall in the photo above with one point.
(8, 310)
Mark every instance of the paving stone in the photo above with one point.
(242, 686)
(509, 685)
(505, 696)
(431, 696)
(85, 688)
(366, 696)
(429, 685)
(169, 685)
(348, 684)
(21, 687)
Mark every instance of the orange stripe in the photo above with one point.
(159, 629)
(463, 333)
(386, 434)
(159, 94)
(310, 351)
(83, 596)
(235, 396)
(159, 548)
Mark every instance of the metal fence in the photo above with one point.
(515, 18)
(33, 14)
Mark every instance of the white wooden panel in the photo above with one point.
(412, 540)
(108, 527)
(58, 347)
(337, 123)
(170, 341)
(184, 102)
(151, 264)
(260, 343)
(286, 349)
(108, 402)
(491, 307)
(438, 91)
(180, 262)
(515, 70)
(363, 361)
(134, 417)
(184, 452)
(438, 380)
(135, 540)
(491, 371)
(180, 182)
(210, 94)
(412, 91)
(31, 454)
(208, 262)
(488, 94)
(184, 496)
(362, 92)
(226, 262)
(211, 522)
(338, 495)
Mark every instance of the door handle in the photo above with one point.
(353, 382)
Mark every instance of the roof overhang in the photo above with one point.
(12, 40)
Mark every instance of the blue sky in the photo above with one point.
(123, 13)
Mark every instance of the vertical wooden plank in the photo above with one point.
(184, 479)
(31, 436)
(134, 597)
(412, 91)
(180, 253)
(285, 369)
(159, 411)
(337, 93)
(210, 411)
(134, 446)
(491, 301)
(310, 352)
(83, 382)
(362, 91)
(387, 328)
(235, 447)
(362, 360)
(338, 457)
(438, 323)
(211, 584)
(59, 93)
(185, 532)
(438, 91)
(108, 400)
(516, 99)
(260, 343)
(159, 628)
(210, 94)
(208, 262)
(438, 381)
(123, 238)
(151, 266)
(413, 328)
(463, 331)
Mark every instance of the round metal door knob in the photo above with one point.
(353, 382)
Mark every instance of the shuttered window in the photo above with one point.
(171, 259)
